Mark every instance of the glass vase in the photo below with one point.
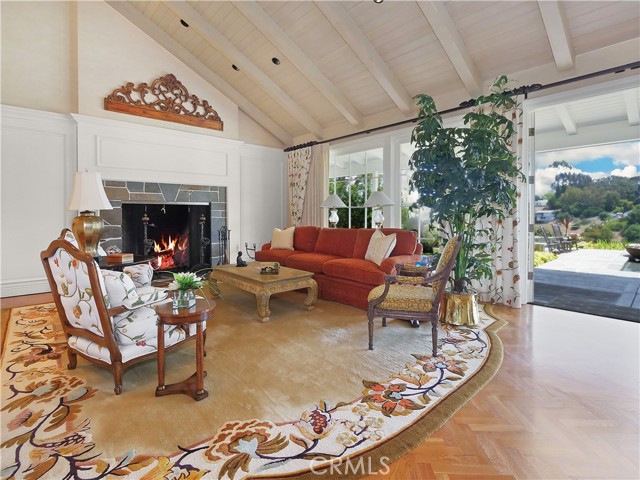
(184, 299)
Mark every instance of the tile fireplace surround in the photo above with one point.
(162, 193)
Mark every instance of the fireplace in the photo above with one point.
(177, 234)
(184, 221)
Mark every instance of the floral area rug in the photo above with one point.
(46, 432)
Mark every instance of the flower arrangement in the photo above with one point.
(185, 281)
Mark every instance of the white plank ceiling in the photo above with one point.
(351, 65)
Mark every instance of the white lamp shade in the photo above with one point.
(378, 199)
(88, 193)
(333, 201)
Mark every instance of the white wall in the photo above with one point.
(263, 190)
(38, 162)
(112, 52)
(36, 47)
(66, 57)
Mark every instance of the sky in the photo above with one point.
(620, 159)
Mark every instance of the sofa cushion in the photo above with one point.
(305, 238)
(282, 239)
(406, 241)
(356, 269)
(380, 246)
(275, 255)
(337, 241)
(309, 262)
(362, 242)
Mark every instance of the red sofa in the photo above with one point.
(336, 258)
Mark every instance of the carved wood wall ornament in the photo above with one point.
(165, 99)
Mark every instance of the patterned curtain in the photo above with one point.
(317, 183)
(298, 170)
(505, 286)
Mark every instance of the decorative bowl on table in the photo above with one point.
(633, 249)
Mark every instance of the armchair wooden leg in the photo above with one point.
(370, 333)
(117, 377)
(384, 321)
(73, 359)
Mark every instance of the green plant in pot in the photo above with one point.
(467, 173)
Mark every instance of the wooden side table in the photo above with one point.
(198, 314)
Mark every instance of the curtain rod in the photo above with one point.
(524, 90)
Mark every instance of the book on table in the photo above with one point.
(119, 257)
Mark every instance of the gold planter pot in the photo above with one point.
(459, 309)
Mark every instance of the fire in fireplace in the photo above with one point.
(172, 252)
(177, 234)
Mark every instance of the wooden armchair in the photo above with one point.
(104, 317)
(414, 293)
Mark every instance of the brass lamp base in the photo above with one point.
(87, 228)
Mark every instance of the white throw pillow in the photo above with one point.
(120, 288)
(282, 239)
(380, 247)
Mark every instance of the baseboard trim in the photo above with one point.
(24, 287)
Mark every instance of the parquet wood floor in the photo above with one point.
(565, 404)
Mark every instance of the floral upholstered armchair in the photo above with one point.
(106, 319)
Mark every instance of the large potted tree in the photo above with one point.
(464, 174)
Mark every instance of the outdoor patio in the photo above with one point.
(600, 282)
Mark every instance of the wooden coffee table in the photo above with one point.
(250, 280)
(198, 314)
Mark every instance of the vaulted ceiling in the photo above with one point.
(318, 69)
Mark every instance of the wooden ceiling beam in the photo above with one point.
(631, 104)
(566, 119)
(186, 57)
(453, 45)
(235, 56)
(368, 55)
(270, 29)
(555, 25)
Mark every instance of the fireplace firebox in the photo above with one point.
(176, 234)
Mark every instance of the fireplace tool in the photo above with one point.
(147, 243)
(204, 241)
(224, 234)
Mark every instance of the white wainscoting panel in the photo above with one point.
(264, 193)
(38, 165)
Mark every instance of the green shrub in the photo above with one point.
(601, 245)
(615, 225)
(590, 212)
(632, 233)
(540, 258)
(596, 232)
(604, 216)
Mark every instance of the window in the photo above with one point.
(417, 219)
(353, 176)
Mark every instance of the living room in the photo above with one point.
(61, 59)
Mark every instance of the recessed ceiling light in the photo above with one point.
(235, 67)
(275, 60)
(184, 24)
(377, 1)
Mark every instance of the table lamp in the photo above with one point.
(377, 200)
(88, 195)
(333, 202)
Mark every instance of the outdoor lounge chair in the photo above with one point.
(553, 245)
(566, 243)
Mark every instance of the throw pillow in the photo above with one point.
(282, 239)
(120, 288)
(380, 247)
